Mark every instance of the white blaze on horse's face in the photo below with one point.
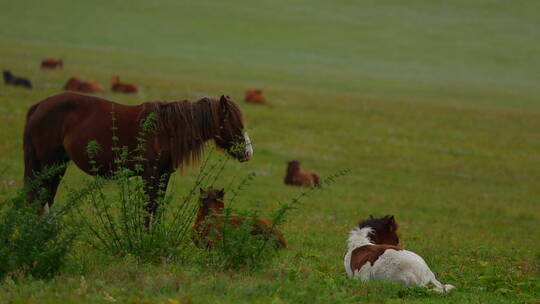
(249, 148)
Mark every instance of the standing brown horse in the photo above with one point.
(59, 128)
(52, 63)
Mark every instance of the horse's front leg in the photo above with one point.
(155, 186)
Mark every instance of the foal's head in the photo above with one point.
(384, 229)
(212, 200)
(293, 166)
(231, 135)
(7, 75)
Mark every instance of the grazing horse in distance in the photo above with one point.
(374, 255)
(211, 220)
(298, 177)
(59, 128)
(76, 84)
(123, 87)
(10, 79)
(52, 63)
(255, 97)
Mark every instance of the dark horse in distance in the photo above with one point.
(59, 128)
(10, 79)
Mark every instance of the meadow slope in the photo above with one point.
(434, 107)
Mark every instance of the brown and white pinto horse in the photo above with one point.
(374, 255)
(76, 84)
(59, 128)
(298, 177)
(52, 63)
(255, 97)
(211, 220)
(123, 87)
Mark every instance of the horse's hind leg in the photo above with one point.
(43, 174)
(51, 183)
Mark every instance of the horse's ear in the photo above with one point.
(223, 103)
(221, 193)
(223, 99)
(392, 224)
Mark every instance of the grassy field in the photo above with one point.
(434, 107)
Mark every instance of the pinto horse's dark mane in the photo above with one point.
(184, 126)
(376, 223)
(384, 229)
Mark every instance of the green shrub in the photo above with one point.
(32, 245)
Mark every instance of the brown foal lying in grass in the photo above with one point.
(211, 222)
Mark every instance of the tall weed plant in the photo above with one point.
(36, 245)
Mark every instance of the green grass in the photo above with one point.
(433, 106)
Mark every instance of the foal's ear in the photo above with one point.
(221, 193)
(392, 224)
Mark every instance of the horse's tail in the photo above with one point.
(316, 181)
(439, 287)
(31, 160)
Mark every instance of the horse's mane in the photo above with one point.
(184, 126)
(377, 224)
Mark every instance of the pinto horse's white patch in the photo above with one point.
(400, 266)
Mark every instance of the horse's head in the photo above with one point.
(293, 166)
(232, 136)
(384, 229)
(212, 199)
(7, 74)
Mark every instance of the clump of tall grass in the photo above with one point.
(32, 245)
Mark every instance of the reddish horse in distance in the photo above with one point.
(76, 84)
(123, 87)
(52, 63)
(59, 128)
(297, 177)
(255, 97)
